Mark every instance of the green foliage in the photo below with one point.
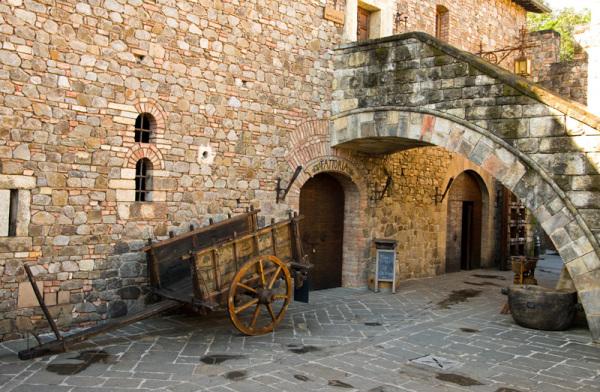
(562, 21)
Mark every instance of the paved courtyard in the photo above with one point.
(439, 334)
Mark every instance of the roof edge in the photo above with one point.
(568, 107)
(535, 6)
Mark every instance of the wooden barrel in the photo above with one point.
(542, 308)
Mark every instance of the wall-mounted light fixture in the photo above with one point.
(379, 195)
(522, 65)
(282, 193)
(399, 18)
(438, 198)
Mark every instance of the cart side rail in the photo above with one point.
(215, 266)
(165, 266)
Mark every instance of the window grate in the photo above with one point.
(142, 179)
(144, 123)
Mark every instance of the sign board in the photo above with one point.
(385, 265)
(336, 16)
(385, 268)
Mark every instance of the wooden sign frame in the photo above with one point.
(336, 16)
(377, 261)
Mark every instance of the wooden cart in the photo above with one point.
(251, 271)
(524, 269)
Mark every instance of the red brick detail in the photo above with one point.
(149, 151)
(310, 144)
(152, 107)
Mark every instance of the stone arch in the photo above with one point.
(310, 147)
(397, 128)
(149, 151)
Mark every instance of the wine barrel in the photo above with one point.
(542, 308)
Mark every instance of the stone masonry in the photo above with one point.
(415, 89)
(569, 79)
(239, 93)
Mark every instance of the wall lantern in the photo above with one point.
(522, 65)
(399, 18)
(439, 198)
(280, 192)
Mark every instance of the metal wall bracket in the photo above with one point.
(282, 193)
(438, 198)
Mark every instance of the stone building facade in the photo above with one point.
(236, 95)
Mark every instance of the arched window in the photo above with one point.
(143, 168)
(145, 123)
(442, 23)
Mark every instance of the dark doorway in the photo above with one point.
(322, 229)
(464, 227)
(467, 244)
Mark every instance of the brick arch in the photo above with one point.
(139, 151)
(310, 144)
(397, 128)
(159, 125)
(147, 105)
(310, 147)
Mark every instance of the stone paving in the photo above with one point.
(344, 340)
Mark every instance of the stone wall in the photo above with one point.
(569, 79)
(492, 23)
(409, 213)
(222, 79)
(566, 78)
(227, 83)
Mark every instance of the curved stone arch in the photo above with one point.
(310, 147)
(139, 151)
(513, 168)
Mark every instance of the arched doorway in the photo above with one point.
(322, 202)
(464, 224)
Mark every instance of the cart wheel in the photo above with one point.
(259, 295)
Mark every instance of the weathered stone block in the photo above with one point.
(117, 309)
(546, 126)
(26, 296)
(130, 292)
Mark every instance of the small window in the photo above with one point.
(143, 179)
(9, 202)
(144, 125)
(442, 23)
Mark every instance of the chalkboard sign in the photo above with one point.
(385, 268)
(385, 265)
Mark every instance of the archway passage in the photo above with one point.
(322, 205)
(538, 146)
(463, 239)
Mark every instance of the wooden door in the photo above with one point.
(362, 27)
(466, 247)
(322, 229)
(454, 236)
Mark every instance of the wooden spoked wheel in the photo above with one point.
(259, 295)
